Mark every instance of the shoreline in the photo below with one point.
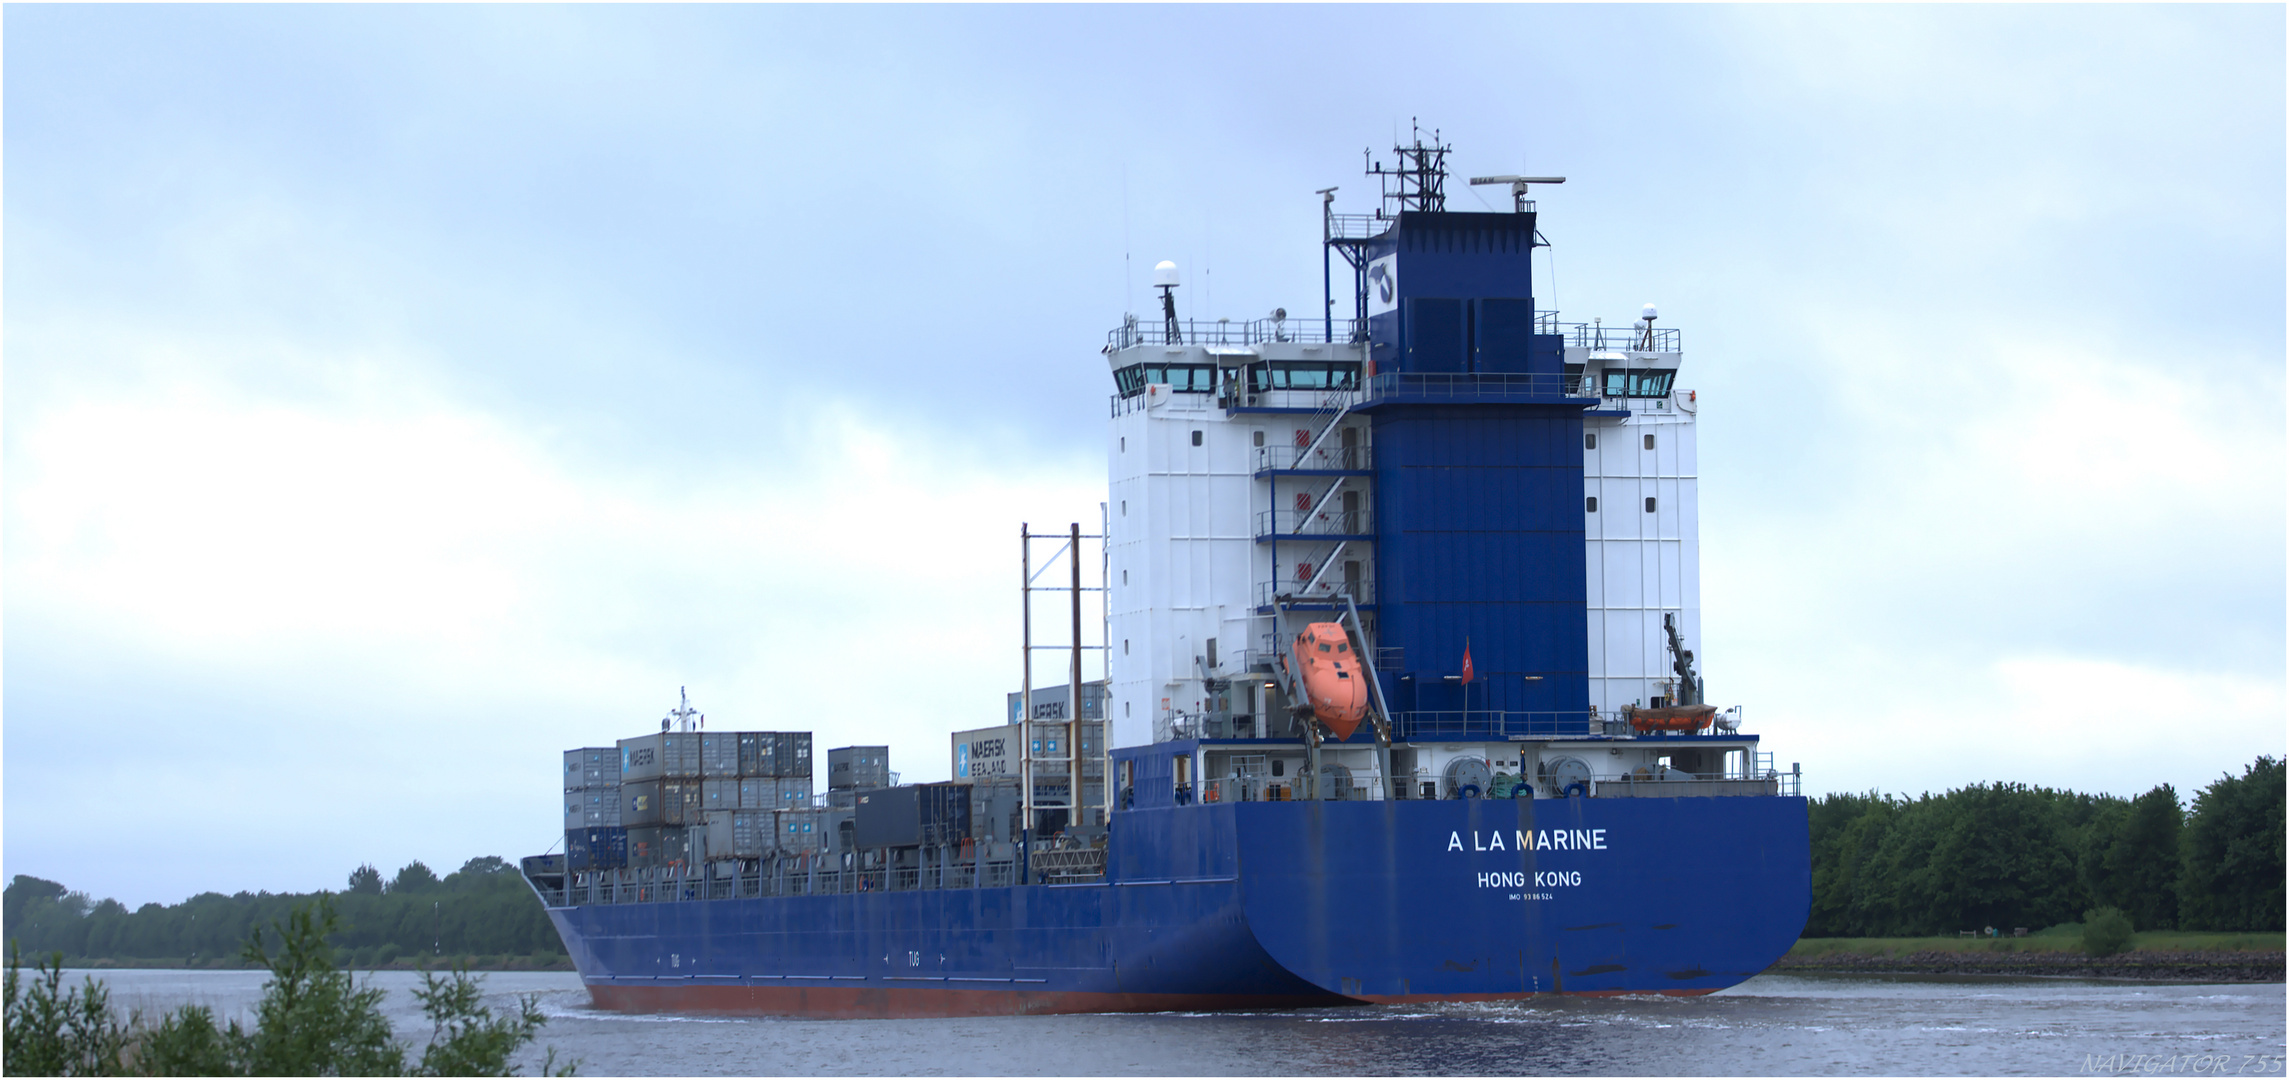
(2236, 966)
(443, 965)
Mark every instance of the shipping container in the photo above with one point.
(661, 802)
(851, 768)
(720, 794)
(837, 831)
(640, 805)
(799, 832)
(913, 814)
(668, 755)
(717, 843)
(756, 793)
(596, 848)
(593, 766)
(754, 833)
(794, 794)
(754, 753)
(792, 755)
(592, 807)
(659, 846)
(719, 753)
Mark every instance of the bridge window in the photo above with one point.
(1182, 378)
(1303, 375)
(1639, 382)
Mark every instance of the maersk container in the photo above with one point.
(592, 766)
(851, 768)
(670, 755)
(913, 814)
(719, 794)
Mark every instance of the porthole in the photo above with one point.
(1589, 440)
(1593, 504)
(1649, 442)
(1259, 438)
(1196, 440)
(1649, 504)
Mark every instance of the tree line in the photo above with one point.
(482, 909)
(2009, 855)
(312, 1020)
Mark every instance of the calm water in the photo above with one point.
(1773, 1024)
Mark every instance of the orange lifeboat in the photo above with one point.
(1332, 677)
(1685, 718)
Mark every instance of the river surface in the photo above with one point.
(1772, 1024)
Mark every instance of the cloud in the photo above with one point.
(353, 585)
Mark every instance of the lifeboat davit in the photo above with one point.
(1673, 718)
(1332, 677)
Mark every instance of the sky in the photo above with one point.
(397, 396)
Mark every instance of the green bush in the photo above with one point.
(312, 1020)
(2105, 931)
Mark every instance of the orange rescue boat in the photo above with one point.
(1674, 718)
(1332, 677)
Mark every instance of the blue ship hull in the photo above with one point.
(1258, 905)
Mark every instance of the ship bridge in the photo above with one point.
(1498, 504)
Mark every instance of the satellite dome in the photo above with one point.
(1649, 315)
(1164, 274)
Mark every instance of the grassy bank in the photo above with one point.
(472, 962)
(2056, 940)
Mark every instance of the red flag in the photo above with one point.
(1467, 671)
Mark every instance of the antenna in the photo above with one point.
(1645, 344)
(1164, 278)
(1420, 177)
(1517, 187)
(683, 716)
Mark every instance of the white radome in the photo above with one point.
(1649, 315)
(1164, 274)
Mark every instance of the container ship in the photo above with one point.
(1400, 701)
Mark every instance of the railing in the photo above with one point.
(1629, 337)
(1495, 723)
(1672, 784)
(1359, 787)
(1441, 386)
(1269, 593)
(1051, 862)
(1235, 395)
(1314, 523)
(1327, 458)
(1298, 329)
(1172, 727)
